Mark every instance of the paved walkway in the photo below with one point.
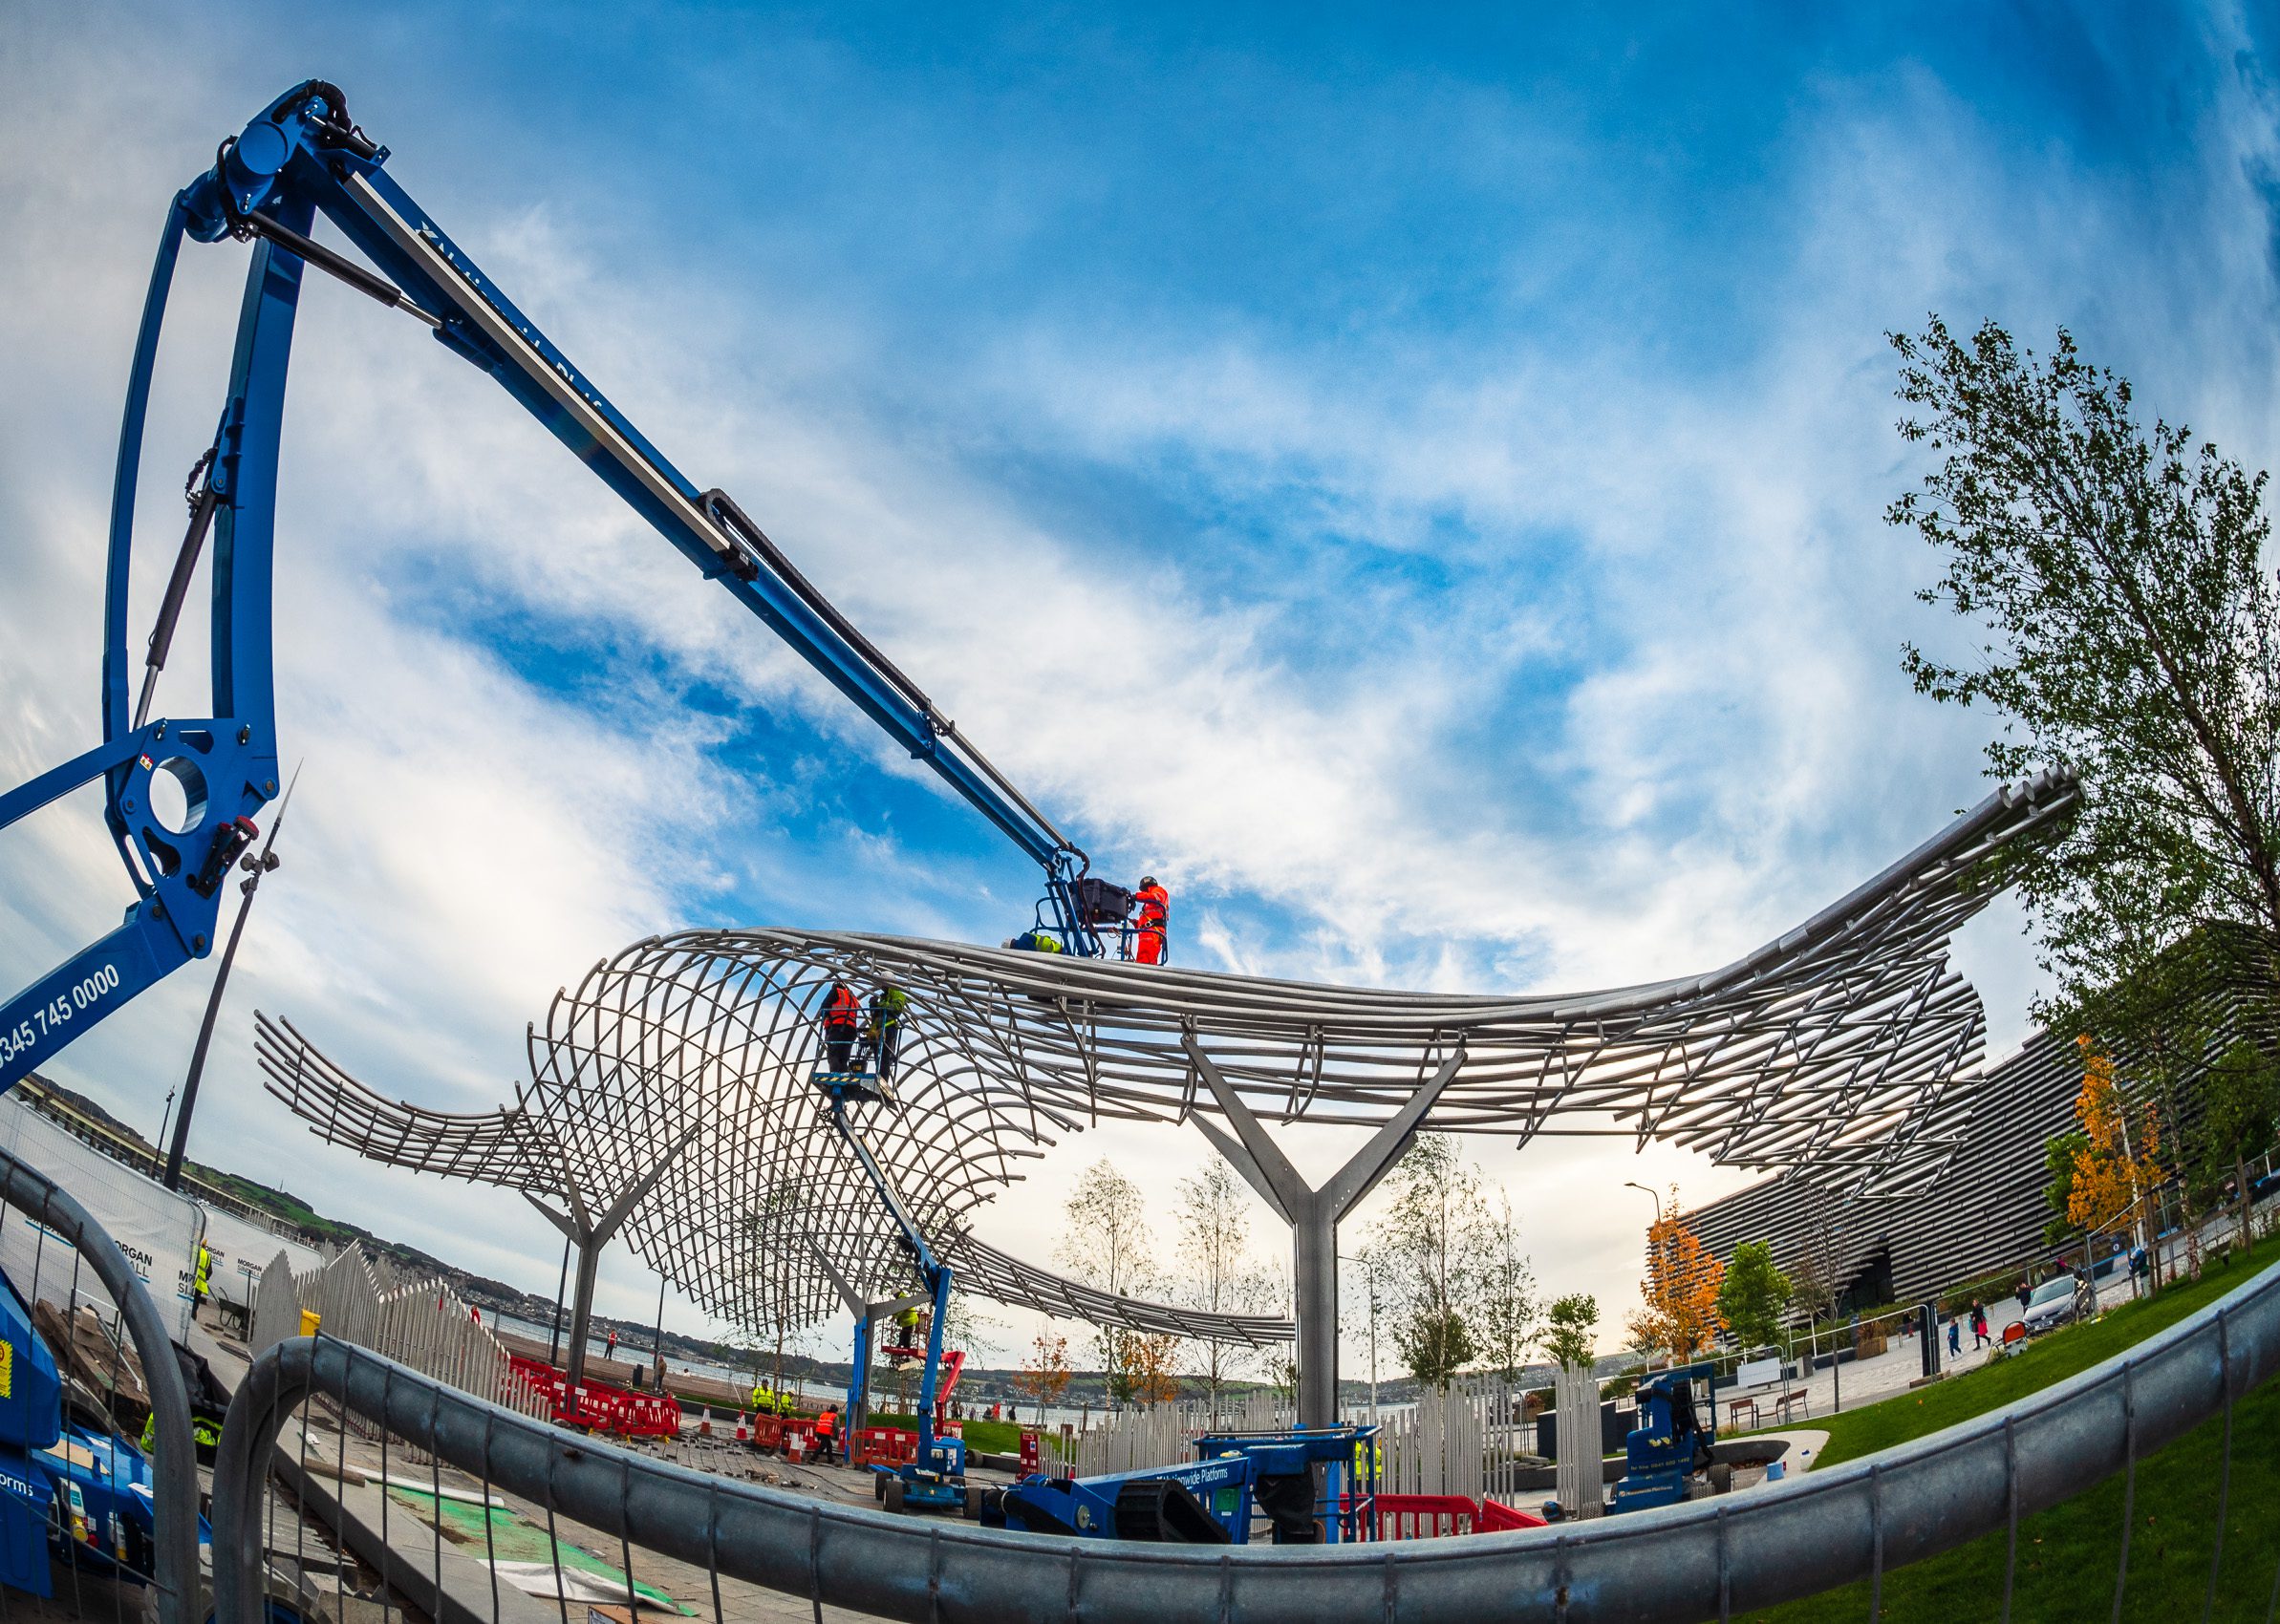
(1867, 1381)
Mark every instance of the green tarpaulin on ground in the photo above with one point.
(513, 1540)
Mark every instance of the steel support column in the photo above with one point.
(590, 1232)
(866, 1316)
(1312, 1214)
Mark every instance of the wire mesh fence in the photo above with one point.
(117, 1371)
(494, 1515)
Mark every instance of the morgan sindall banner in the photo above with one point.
(158, 1230)
(242, 1249)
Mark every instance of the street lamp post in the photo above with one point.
(1369, 1275)
(1656, 1202)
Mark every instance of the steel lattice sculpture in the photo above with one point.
(1844, 1049)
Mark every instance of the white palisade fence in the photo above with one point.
(422, 1324)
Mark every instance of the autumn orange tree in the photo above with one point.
(1148, 1368)
(1043, 1376)
(1679, 1294)
(2122, 1157)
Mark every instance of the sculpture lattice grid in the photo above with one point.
(1842, 1051)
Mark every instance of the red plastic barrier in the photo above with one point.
(1432, 1516)
(598, 1406)
(1496, 1517)
(884, 1445)
(792, 1435)
(1422, 1516)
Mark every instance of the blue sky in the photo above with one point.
(1414, 482)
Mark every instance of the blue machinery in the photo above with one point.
(1670, 1446)
(1303, 1480)
(936, 1480)
(80, 1494)
(301, 157)
(1315, 1486)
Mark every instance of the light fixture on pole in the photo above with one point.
(1657, 1201)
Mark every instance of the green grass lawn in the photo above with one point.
(989, 1437)
(2068, 1555)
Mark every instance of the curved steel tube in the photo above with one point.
(174, 1474)
(1840, 1051)
(1680, 1563)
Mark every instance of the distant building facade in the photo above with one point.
(1987, 1212)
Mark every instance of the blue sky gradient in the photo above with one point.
(1413, 482)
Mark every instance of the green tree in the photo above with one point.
(773, 1228)
(1566, 1338)
(2239, 1100)
(1433, 1239)
(1106, 1243)
(1752, 1295)
(1436, 1344)
(2061, 1155)
(2124, 625)
(1217, 1273)
(1504, 1295)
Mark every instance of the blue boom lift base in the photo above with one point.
(1669, 1446)
(1314, 1485)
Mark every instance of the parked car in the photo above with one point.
(2055, 1302)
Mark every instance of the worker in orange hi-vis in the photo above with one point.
(842, 1021)
(1154, 918)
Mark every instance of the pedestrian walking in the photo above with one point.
(2026, 1294)
(1955, 1338)
(1979, 1336)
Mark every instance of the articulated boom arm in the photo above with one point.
(932, 1270)
(303, 156)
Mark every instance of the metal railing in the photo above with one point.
(1704, 1559)
(174, 1470)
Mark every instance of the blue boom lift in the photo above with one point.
(82, 1494)
(936, 1480)
(303, 155)
(1669, 1447)
(1315, 1486)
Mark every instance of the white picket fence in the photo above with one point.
(1465, 1441)
(1163, 1435)
(1581, 1479)
(422, 1324)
